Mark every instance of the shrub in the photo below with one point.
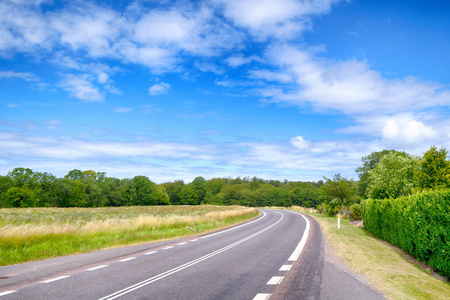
(418, 224)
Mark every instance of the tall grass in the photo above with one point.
(38, 233)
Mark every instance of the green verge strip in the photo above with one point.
(23, 242)
(386, 267)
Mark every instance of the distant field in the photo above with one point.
(28, 234)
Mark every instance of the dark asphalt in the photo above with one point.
(233, 264)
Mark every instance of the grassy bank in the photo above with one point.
(39, 233)
(386, 267)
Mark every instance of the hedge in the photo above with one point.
(419, 224)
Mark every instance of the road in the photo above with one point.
(278, 255)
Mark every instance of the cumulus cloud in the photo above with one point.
(275, 18)
(159, 89)
(403, 132)
(299, 143)
(349, 86)
(80, 87)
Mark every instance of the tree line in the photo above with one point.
(383, 174)
(22, 187)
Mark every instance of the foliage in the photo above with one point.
(340, 188)
(418, 224)
(94, 189)
(393, 176)
(369, 163)
(433, 171)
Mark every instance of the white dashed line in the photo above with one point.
(54, 279)
(262, 296)
(275, 280)
(194, 240)
(167, 248)
(127, 259)
(96, 268)
(285, 267)
(7, 293)
(181, 244)
(151, 252)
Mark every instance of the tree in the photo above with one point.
(369, 163)
(20, 197)
(22, 176)
(393, 176)
(199, 186)
(305, 194)
(340, 188)
(144, 190)
(188, 196)
(434, 170)
(173, 189)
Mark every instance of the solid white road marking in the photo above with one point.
(54, 279)
(275, 280)
(220, 232)
(7, 293)
(296, 254)
(189, 264)
(285, 267)
(127, 259)
(262, 296)
(96, 268)
(167, 248)
(193, 240)
(151, 252)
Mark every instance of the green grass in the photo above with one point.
(39, 233)
(386, 267)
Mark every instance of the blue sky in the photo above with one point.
(279, 89)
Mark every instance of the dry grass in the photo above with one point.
(384, 266)
(31, 234)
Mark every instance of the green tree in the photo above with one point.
(339, 188)
(5, 183)
(69, 193)
(20, 197)
(393, 176)
(22, 176)
(74, 174)
(173, 189)
(188, 196)
(145, 189)
(369, 163)
(199, 186)
(305, 194)
(434, 170)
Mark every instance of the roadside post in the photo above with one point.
(339, 221)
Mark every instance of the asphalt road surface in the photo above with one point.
(278, 255)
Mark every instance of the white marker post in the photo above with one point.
(339, 221)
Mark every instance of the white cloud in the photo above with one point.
(21, 75)
(299, 143)
(271, 76)
(350, 86)
(405, 133)
(159, 89)
(81, 88)
(123, 109)
(276, 18)
(238, 60)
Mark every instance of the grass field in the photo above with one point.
(386, 267)
(38, 233)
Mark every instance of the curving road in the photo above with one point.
(278, 255)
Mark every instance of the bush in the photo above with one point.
(356, 212)
(418, 224)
